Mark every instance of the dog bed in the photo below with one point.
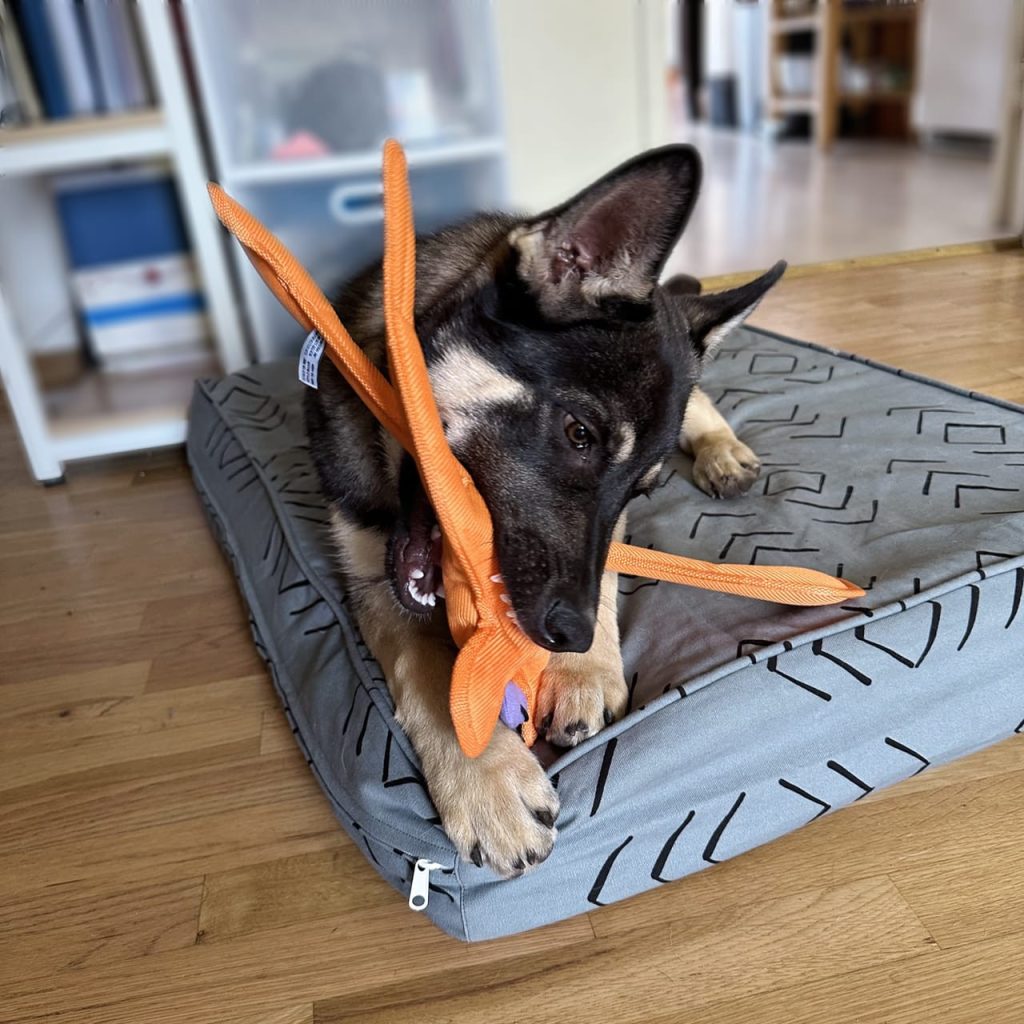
(747, 720)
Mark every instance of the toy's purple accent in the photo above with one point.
(513, 706)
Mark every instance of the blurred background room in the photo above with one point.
(830, 131)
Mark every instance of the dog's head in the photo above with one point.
(563, 378)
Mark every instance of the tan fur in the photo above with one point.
(577, 689)
(723, 466)
(361, 553)
(464, 383)
(625, 442)
(490, 803)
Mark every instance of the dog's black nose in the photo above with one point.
(566, 628)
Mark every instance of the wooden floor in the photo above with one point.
(165, 854)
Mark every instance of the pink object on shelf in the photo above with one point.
(300, 145)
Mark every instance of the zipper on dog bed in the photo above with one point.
(419, 890)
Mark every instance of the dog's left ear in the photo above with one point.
(607, 244)
(711, 317)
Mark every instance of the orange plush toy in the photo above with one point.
(495, 655)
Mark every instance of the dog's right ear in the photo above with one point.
(710, 317)
(608, 244)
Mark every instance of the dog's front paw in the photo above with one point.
(725, 468)
(579, 698)
(500, 808)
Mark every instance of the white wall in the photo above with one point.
(961, 65)
(583, 87)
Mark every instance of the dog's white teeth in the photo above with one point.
(435, 533)
(415, 592)
(512, 616)
(505, 598)
(431, 599)
(496, 578)
(440, 590)
(417, 574)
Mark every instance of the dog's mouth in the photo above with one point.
(414, 557)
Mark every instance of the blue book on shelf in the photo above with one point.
(42, 51)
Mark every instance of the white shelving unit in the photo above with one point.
(108, 413)
(338, 75)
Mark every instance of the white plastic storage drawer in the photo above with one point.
(289, 80)
(335, 227)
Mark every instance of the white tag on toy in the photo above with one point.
(309, 358)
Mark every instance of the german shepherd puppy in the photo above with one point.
(564, 375)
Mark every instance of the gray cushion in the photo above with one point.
(747, 719)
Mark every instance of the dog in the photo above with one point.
(564, 375)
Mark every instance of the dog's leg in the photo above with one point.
(582, 693)
(498, 807)
(723, 466)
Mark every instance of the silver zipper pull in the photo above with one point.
(419, 891)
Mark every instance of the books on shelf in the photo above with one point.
(64, 58)
(132, 275)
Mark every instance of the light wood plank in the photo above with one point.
(328, 883)
(774, 943)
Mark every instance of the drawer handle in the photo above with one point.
(357, 204)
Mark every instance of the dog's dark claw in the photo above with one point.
(545, 817)
(546, 723)
(608, 716)
(531, 856)
(574, 727)
(476, 856)
(518, 865)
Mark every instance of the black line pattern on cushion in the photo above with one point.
(753, 533)
(351, 708)
(933, 632)
(666, 850)
(717, 515)
(964, 427)
(362, 731)
(1018, 590)
(740, 653)
(602, 875)
(766, 547)
(832, 508)
(789, 420)
(972, 616)
(791, 359)
(794, 788)
(927, 489)
(602, 777)
(809, 380)
(816, 649)
(404, 780)
(852, 522)
(840, 433)
(925, 763)
(859, 633)
(850, 777)
(772, 665)
(924, 412)
(892, 462)
(769, 478)
(712, 845)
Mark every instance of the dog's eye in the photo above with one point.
(579, 436)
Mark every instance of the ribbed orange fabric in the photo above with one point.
(493, 649)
